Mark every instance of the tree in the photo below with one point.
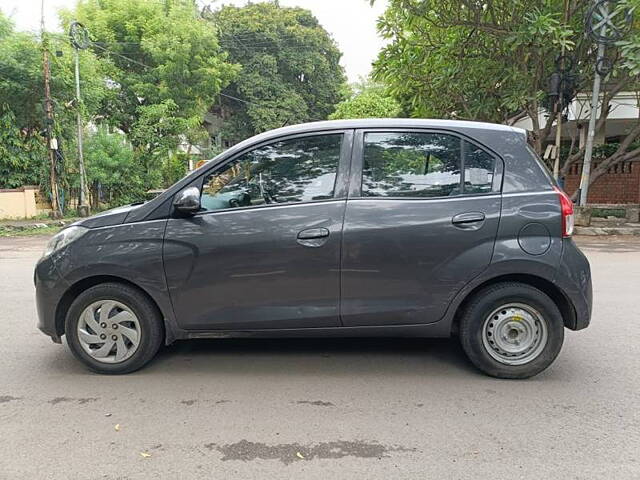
(290, 68)
(166, 68)
(492, 61)
(23, 155)
(368, 100)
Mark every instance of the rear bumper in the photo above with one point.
(49, 289)
(574, 278)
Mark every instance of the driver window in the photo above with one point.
(298, 170)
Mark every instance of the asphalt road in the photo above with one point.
(323, 409)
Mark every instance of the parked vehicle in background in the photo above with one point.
(345, 228)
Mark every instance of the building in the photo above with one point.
(621, 184)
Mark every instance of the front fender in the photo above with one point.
(131, 252)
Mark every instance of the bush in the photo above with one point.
(174, 168)
(113, 175)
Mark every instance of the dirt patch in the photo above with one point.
(317, 403)
(8, 398)
(287, 453)
(80, 401)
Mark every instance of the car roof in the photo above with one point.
(362, 123)
(388, 123)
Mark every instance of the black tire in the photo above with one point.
(149, 318)
(486, 301)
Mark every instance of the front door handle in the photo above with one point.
(312, 233)
(313, 237)
(468, 219)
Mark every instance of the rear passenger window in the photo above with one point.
(411, 165)
(423, 165)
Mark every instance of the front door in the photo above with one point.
(265, 251)
(421, 221)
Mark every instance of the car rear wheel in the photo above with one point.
(511, 330)
(113, 328)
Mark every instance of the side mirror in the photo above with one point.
(187, 201)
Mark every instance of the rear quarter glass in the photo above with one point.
(543, 166)
(523, 170)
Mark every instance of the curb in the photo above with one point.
(598, 231)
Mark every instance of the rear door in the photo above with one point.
(420, 222)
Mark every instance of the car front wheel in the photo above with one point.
(511, 330)
(113, 328)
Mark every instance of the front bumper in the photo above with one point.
(49, 290)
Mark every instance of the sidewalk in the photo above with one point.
(43, 226)
(609, 226)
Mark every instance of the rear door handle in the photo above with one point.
(468, 218)
(313, 233)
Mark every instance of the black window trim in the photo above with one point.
(342, 173)
(357, 164)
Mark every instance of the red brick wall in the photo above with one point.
(621, 184)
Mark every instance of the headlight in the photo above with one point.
(64, 238)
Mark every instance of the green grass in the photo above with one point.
(608, 212)
(13, 232)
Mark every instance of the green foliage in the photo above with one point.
(630, 45)
(174, 168)
(154, 68)
(112, 171)
(166, 67)
(371, 101)
(605, 150)
(484, 60)
(290, 68)
(21, 83)
(22, 153)
(609, 212)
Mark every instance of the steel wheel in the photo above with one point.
(109, 331)
(514, 334)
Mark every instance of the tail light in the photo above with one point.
(566, 206)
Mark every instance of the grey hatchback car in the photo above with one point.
(402, 227)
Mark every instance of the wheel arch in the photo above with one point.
(81, 285)
(549, 288)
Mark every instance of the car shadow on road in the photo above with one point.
(322, 356)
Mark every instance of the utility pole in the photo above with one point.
(591, 133)
(52, 144)
(560, 103)
(607, 23)
(80, 40)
